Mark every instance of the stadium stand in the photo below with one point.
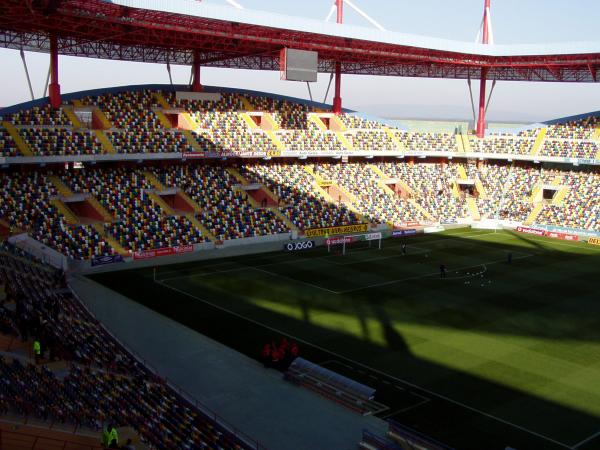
(226, 212)
(141, 223)
(61, 141)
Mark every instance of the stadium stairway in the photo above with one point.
(462, 143)
(163, 119)
(97, 114)
(472, 204)
(535, 212)
(155, 182)
(166, 209)
(237, 175)
(205, 231)
(317, 121)
(61, 187)
(246, 104)
(106, 144)
(20, 143)
(596, 139)
(399, 145)
(338, 124)
(160, 99)
(63, 209)
(191, 122)
(189, 136)
(560, 195)
(267, 117)
(70, 113)
(480, 189)
(539, 142)
(344, 140)
(535, 194)
(462, 173)
(275, 140)
(116, 246)
(251, 123)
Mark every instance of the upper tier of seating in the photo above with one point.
(138, 126)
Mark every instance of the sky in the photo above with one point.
(514, 21)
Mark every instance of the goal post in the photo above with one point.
(355, 241)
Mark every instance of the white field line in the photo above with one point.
(295, 261)
(359, 364)
(586, 440)
(408, 408)
(427, 275)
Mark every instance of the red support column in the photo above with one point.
(54, 87)
(481, 118)
(484, 72)
(337, 98)
(196, 85)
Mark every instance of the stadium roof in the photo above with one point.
(163, 31)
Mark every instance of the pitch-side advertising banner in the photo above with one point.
(594, 241)
(167, 251)
(346, 229)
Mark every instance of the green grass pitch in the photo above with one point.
(496, 354)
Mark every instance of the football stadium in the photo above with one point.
(191, 266)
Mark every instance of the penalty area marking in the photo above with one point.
(377, 371)
(431, 274)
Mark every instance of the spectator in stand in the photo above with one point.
(37, 350)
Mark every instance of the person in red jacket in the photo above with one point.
(266, 354)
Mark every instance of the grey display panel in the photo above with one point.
(300, 65)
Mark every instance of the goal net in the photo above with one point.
(345, 245)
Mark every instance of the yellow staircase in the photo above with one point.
(460, 143)
(19, 142)
(205, 231)
(596, 139)
(539, 141)
(535, 212)
(272, 123)
(338, 123)
(101, 117)
(247, 105)
(237, 175)
(423, 211)
(285, 219)
(317, 121)
(165, 122)
(560, 196)
(63, 209)
(70, 113)
(472, 204)
(462, 173)
(395, 140)
(455, 191)
(106, 216)
(189, 136)
(480, 189)
(110, 240)
(167, 210)
(465, 142)
(280, 146)
(61, 187)
(251, 123)
(535, 193)
(190, 120)
(155, 182)
(160, 99)
(344, 140)
(107, 145)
